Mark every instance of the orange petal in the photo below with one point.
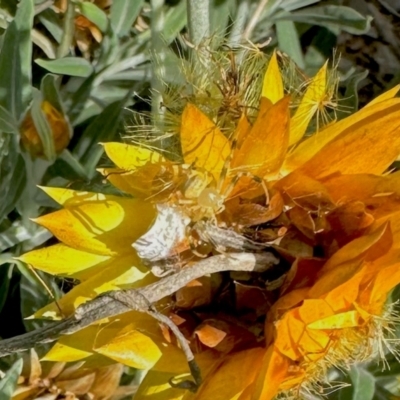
(264, 148)
(352, 128)
(274, 370)
(239, 370)
(305, 192)
(378, 138)
(314, 309)
(243, 128)
(203, 144)
(367, 247)
(377, 290)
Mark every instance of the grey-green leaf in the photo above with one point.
(362, 385)
(175, 20)
(10, 72)
(288, 41)
(72, 66)
(24, 22)
(94, 14)
(103, 128)
(10, 380)
(349, 103)
(43, 128)
(123, 15)
(8, 124)
(335, 18)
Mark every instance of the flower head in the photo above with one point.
(247, 169)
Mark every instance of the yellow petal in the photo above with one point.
(155, 385)
(310, 103)
(123, 343)
(121, 274)
(73, 347)
(60, 259)
(273, 85)
(264, 148)
(66, 197)
(203, 144)
(310, 147)
(135, 339)
(347, 319)
(105, 227)
(129, 157)
(389, 94)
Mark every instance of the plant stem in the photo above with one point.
(254, 19)
(238, 24)
(198, 20)
(68, 29)
(158, 68)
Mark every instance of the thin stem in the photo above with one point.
(239, 22)
(254, 19)
(198, 12)
(68, 29)
(158, 50)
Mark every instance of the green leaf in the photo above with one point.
(94, 14)
(290, 5)
(51, 20)
(349, 103)
(175, 20)
(10, 72)
(10, 380)
(24, 22)
(43, 127)
(335, 18)
(49, 89)
(289, 42)
(79, 98)
(12, 172)
(5, 277)
(123, 15)
(8, 124)
(220, 12)
(72, 66)
(110, 47)
(34, 294)
(362, 385)
(102, 128)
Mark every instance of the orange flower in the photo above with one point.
(59, 129)
(321, 201)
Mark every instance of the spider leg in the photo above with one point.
(255, 178)
(192, 243)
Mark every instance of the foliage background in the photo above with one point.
(93, 60)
